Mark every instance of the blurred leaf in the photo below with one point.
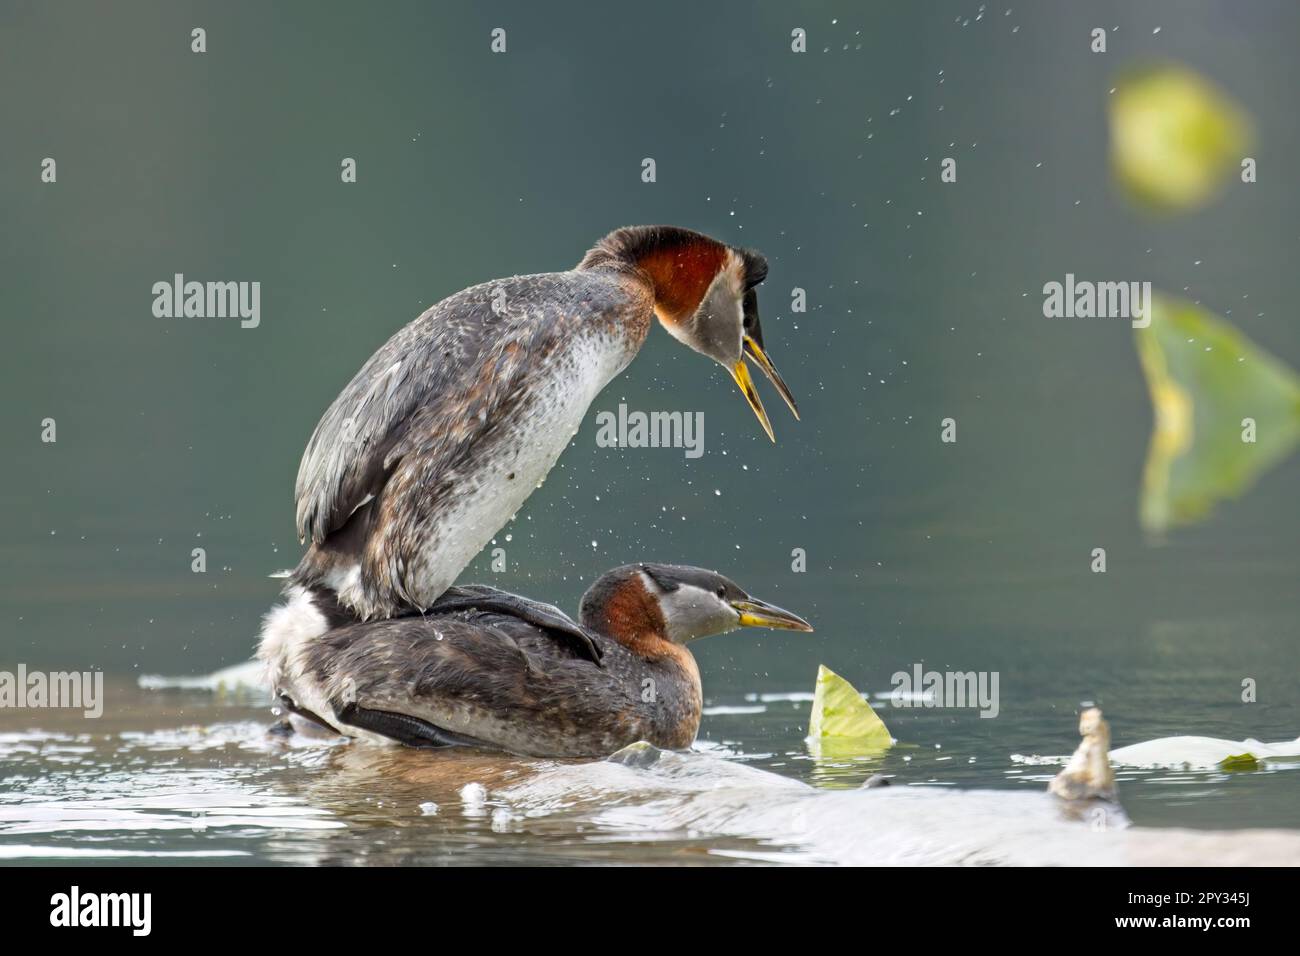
(1174, 137)
(841, 716)
(1205, 378)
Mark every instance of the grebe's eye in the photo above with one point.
(722, 592)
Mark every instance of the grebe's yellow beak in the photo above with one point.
(740, 372)
(756, 613)
(754, 349)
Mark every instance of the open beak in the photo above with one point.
(740, 372)
(755, 613)
(754, 349)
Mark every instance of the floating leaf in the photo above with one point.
(1205, 753)
(1206, 379)
(840, 713)
(1174, 136)
(1191, 753)
(1239, 762)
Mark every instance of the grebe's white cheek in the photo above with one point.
(691, 612)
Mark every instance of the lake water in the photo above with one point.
(186, 776)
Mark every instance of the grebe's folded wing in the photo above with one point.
(404, 728)
(548, 617)
(435, 389)
(448, 679)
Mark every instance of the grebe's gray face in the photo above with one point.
(697, 603)
(726, 328)
(717, 328)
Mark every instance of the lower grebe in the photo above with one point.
(485, 668)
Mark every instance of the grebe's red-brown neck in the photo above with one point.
(622, 607)
(679, 264)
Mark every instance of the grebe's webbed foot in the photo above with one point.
(405, 729)
(546, 616)
(288, 704)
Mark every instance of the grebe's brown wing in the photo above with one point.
(435, 389)
(452, 679)
(404, 728)
(548, 617)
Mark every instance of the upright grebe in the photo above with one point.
(490, 669)
(449, 427)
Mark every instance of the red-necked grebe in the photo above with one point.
(449, 427)
(490, 669)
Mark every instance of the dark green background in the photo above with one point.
(924, 302)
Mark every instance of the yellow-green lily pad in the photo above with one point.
(1225, 410)
(1174, 137)
(1245, 761)
(839, 713)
